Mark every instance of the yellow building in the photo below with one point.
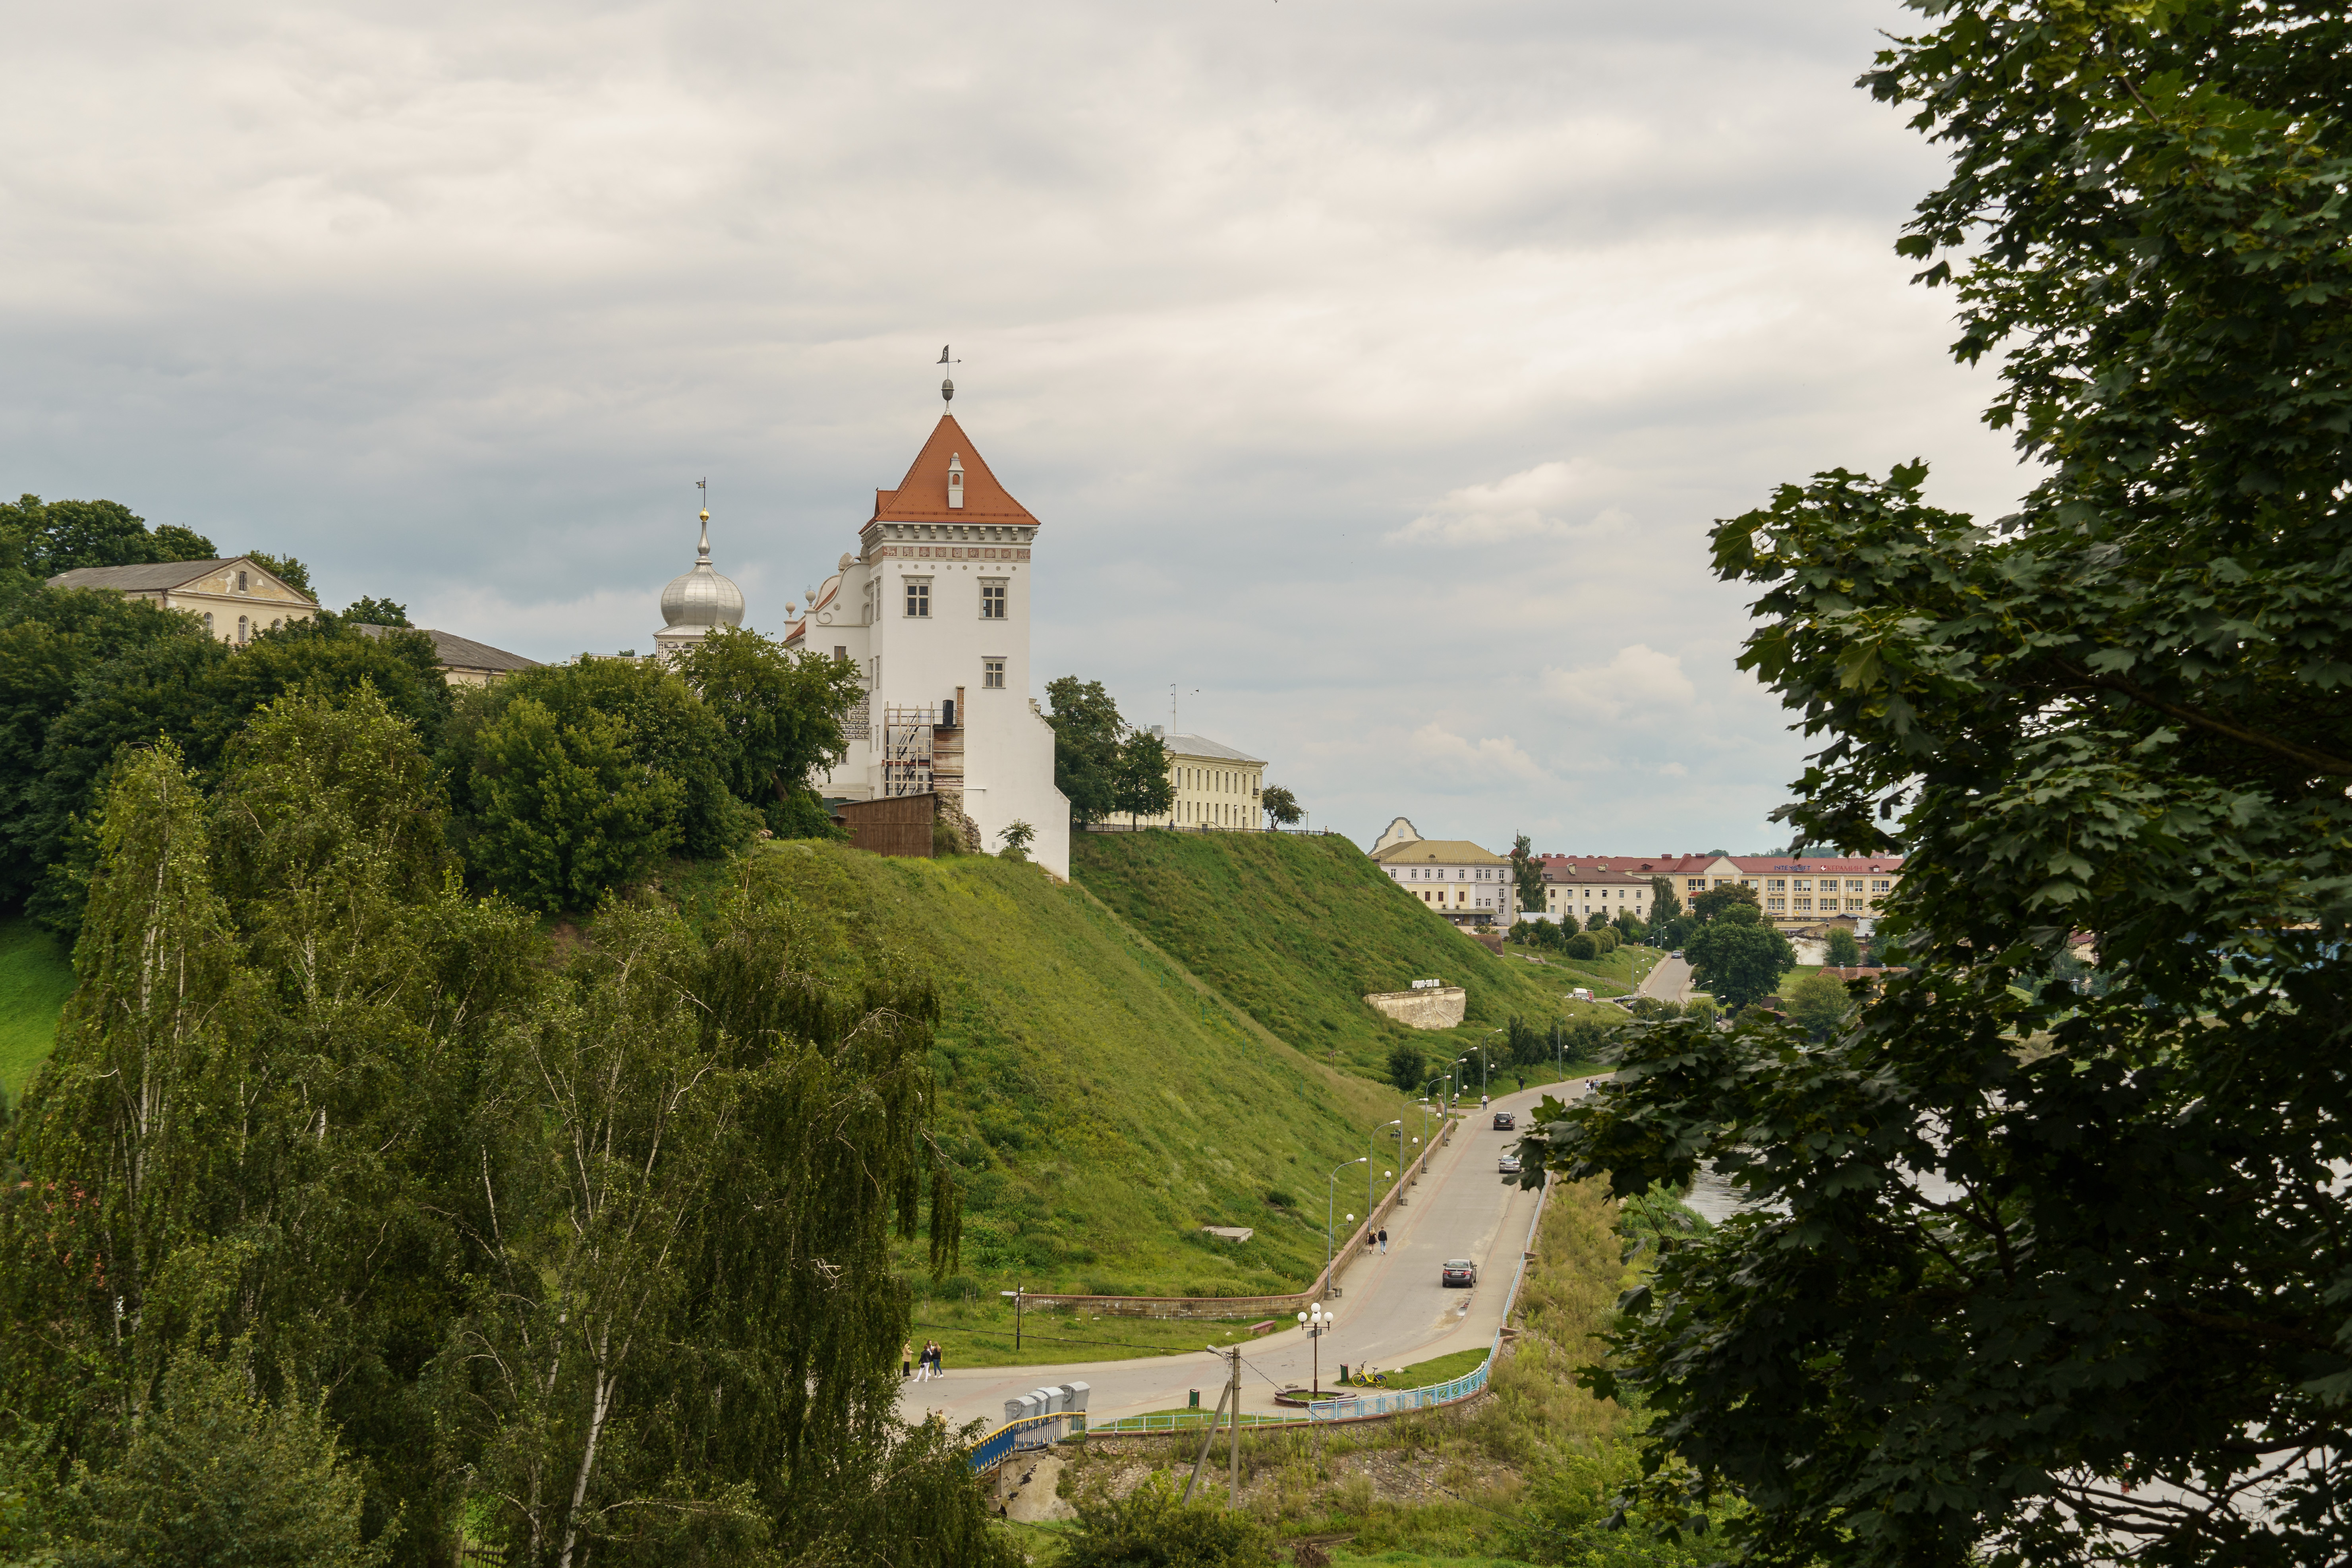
(1467, 885)
(235, 598)
(1215, 786)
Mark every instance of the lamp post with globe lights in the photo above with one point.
(1368, 1140)
(1317, 1319)
(1330, 1202)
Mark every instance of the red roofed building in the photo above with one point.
(1794, 890)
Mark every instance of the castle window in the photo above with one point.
(991, 674)
(992, 599)
(918, 597)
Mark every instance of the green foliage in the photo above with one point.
(1527, 874)
(216, 1474)
(1582, 944)
(1665, 905)
(1281, 806)
(2120, 710)
(1524, 1044)
(1735, 955)
(1101, 764)
(373, 612)
(574, 780)
(1151, 1526)
(782, 717)
(611, 1248)
(1840, 950)
(1142, 783)
(1016, 837)
(1715, 902)
(1818, 1004)
(1405, 1064)
(84, 675)
(567, 811)
(50, 537)
(288, 571)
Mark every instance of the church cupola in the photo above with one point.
(955, 479)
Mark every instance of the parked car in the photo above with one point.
(1507, 1165)
(1583, 994)
(1678, 953)
(1504, 1121)
(1458, 1272)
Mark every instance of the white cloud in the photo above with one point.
(1639, 681)
(1541, 500)
(1467, 759)
(454, 303)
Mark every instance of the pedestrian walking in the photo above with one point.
(923, 1366)
(1384, 1243)
(906, 1359)
(938, 1359)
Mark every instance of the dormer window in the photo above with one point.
(955, 479)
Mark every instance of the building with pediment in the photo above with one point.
(933, 610)
(236, 598)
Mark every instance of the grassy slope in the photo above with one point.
(35, 978)
(1104, 1103)
(1297, 929)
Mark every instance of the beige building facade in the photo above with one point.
(236, 599)
(1466, 883)
(1215, 786)
(1793, 891)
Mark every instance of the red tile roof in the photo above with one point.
(1680, 864)
(922, 495)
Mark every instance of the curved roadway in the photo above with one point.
(1391, 1310)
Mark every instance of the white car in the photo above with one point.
(1507, 1165)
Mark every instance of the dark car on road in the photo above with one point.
(1458, 1272)
(1504, 1121)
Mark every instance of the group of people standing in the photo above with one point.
(920, 1369)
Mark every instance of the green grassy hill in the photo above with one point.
(35, 978)
(1298, 928)
(1104, 1103)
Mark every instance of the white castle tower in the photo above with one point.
(934, 611)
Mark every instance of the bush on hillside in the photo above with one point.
(1841, 949)
(1151, 1527)
(1583, 944)
(1404, 1067)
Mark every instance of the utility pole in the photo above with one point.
(1229, 1397)
(1016, 1297)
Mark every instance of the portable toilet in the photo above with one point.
(1078, 1396)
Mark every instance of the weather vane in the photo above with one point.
(947, 385)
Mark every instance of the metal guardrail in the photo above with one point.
(1362, 1407)
(1014, 1436)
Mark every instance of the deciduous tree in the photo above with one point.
(2034, 1275)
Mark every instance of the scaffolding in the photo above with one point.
(906, 750)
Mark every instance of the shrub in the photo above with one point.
(1583, 944)
(1152, 1529)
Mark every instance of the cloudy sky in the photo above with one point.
(1376, 368)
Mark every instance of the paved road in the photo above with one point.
(1671, 980)
(1392, 1311)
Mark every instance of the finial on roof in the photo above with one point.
(947, 386)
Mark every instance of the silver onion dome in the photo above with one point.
(703, 598)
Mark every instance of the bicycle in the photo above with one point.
(1369, 1378)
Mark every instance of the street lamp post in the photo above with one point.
(1016, 1294)
(1318, 1319)
(1484, 1052)
(1330, 1201)
(1369, 1138)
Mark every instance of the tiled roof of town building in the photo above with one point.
(1563, 874)
(1202, 746)
(149, 577)
(1438, 852)
(1676, 865)
(922, 495)
(459, 653)
(1830, 865)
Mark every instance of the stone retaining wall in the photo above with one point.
(1439, 1009)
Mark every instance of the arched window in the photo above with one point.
(208, 622)
(241, 625)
